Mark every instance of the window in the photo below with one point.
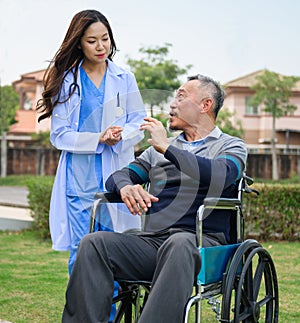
(250, 109)
(289, 113)
(27, 105)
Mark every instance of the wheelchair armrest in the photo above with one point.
(221, 202)
(108, 197)
(212, 203)
(102, 197)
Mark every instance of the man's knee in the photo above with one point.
(180, 254)
(92, 242)
(182, 240)
(183, 246)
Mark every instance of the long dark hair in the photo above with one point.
(68, 57)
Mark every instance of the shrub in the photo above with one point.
(275, 213)
(39, 201)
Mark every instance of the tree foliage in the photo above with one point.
(273, 92)
(229, 124)
(42, 138)
(157, 76)
(9, 101)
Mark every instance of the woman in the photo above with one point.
(96, 110)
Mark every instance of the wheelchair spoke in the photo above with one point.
(248, 283)
(258, 277)
(266, 300)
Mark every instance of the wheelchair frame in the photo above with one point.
(246, 280)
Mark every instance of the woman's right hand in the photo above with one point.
(111, 136)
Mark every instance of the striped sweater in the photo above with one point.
(183, 177)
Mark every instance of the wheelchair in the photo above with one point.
(238, 280)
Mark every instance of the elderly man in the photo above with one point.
(201, 161)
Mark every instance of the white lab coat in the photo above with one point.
(123, 106)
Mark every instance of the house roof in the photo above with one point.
(247, 81)
(29, 81)
(36, 76)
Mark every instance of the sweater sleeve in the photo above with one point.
(135, 173)
(229, 162)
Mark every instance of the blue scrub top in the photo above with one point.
(84, 171)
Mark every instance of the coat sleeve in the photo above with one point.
(135, 114)
(64, 124)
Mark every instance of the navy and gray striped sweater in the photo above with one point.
(183, 177)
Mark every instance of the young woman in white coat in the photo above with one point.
(96, 109)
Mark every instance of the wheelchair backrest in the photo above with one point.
(233, 206)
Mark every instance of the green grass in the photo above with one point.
(287, 262)
(34, 278)
(18, 180)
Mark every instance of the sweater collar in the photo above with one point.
(215, 133)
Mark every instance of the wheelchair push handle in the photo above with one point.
(248, 182)
(108, 197)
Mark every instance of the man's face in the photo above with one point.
(186, 107)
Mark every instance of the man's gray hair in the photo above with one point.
(214, 90)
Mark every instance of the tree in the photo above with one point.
(9, 101)
(273, 91)
(229, 124)
(157, 76)
(43, 143)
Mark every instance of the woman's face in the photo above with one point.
(95, 43)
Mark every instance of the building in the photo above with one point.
(257, 124)
(29, 88)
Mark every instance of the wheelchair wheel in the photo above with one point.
(251, 288)
(130, 302)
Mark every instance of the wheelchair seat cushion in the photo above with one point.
(214, 263)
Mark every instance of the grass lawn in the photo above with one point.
(19, 180)
(34, 277)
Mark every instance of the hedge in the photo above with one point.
(274, 214)
(39, 202)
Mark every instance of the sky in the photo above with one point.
(224, 39)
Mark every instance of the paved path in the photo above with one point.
(14, 211)
(14, 196)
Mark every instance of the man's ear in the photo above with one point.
(207, 105)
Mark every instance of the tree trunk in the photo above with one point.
(151, 111)
(40, 159)
(274, 155)
(3, 155)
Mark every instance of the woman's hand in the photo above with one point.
(111, 136)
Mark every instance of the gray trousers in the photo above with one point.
(170, 260)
